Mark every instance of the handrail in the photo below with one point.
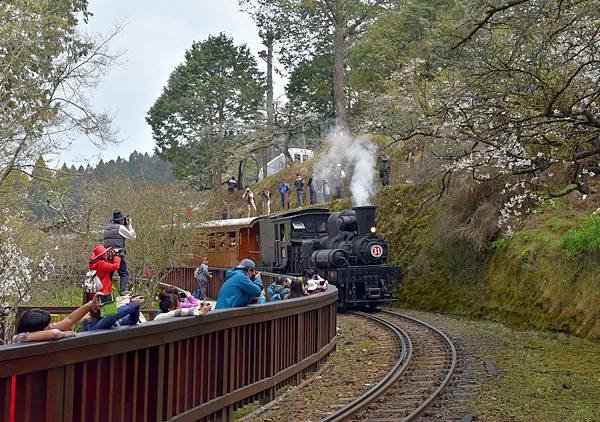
(179, 369)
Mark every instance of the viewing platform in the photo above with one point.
(184, 369)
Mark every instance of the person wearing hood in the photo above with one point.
(104, 262)
(241, 287)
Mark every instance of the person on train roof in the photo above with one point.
(241, 287)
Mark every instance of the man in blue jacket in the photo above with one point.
(242, 285)
(284, 188)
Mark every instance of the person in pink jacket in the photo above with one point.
(186, 299)
(171, 306)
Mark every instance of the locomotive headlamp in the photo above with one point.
(373, 229)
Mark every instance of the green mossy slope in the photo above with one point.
(527, 280)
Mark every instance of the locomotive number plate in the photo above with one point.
(376, 251)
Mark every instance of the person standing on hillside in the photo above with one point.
(338, 180)
(383, 163)
(312, 190)
(249, 197)
(284, 189)
(266, 201)
(115, 233)
(326, 191)
(299, 184)
(231, 184)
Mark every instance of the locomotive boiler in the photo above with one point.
(342, 246)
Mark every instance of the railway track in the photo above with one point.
(425, 365)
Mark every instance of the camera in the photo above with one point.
(119, 251)
(104, 299)
(110, 253)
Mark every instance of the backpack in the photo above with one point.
(196, 271)
(92, 282)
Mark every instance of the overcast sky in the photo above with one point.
(154, 40)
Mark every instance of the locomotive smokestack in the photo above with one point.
(365, 218)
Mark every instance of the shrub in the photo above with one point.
(584, 239)
(500, 244)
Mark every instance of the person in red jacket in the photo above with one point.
(105, 262)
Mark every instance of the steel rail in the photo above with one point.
(419, 411)
(390, 378)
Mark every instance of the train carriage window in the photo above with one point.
(232, 241)
(323, 226)
(221, 240)
(298, 225)
(284, 232)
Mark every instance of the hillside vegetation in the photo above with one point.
(545, 275)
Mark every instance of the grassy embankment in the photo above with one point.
(545, 276)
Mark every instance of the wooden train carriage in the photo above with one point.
(223, 242)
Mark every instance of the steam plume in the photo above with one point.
(357, 157)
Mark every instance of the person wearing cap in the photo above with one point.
(115, 233)
(104, 262)
(241, 287)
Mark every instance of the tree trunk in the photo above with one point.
(269, 105)
(339, 63)
(240, 173)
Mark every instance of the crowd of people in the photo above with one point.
(319, 190)
(101, 310)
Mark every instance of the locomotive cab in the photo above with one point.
(292, 235)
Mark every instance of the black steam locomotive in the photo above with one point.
(342, 246)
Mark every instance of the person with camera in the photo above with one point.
(127, 314)
(115, 233)
(36, 324)
(242, 286)
(249, 197)
(104, 262)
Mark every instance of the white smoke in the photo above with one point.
(357, 159)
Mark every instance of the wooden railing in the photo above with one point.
(180, 369)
